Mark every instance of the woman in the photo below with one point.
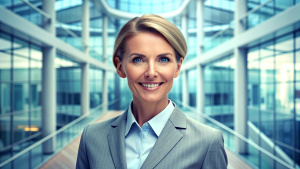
(153, 132)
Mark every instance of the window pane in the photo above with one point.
(35, 94)
(253, 72)
(284, 96)
(267, 121)
(21, 48)
(36, 70)
(21, 96)
(297, 98)
(20, 69)
(5, 98)
(266, 96)
(297, 66)
(4, 137)
(267, 69)
(285, 67)
(5, 66)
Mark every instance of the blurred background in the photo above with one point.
(241, 74)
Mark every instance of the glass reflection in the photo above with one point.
(5, 98)
(20, 69)
(219, 90)
(285, 67)
(267, 69)
(266, 96)
(21, 48)
(5, 66)
(284, 97)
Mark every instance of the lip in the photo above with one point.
(150, 85)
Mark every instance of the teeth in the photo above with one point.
(150, 85)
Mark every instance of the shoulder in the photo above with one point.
(99, 129)
(199, 127)
(201, 132)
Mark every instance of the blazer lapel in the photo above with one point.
(167, 140)
(116, 141)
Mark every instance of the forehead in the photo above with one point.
(148, 41)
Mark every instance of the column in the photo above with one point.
(200, 91)
(105, 73)
(200, 75)
(49, 81)
(240, 82)
(85, 68)
(200, 26)
(185, 90)
(184, 25)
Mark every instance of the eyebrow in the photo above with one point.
(164, 54)
(141, 55)
(137, 54)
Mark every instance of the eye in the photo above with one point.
(164, 59)
(137, 60)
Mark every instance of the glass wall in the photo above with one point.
(96, 38)
(219, 90)
(218, 20)
(68, 87)
(272, 108)
(25, 11)
(191, 39)
(176, 91)
(96, 87)
(266, 10)
(20, 92)
(192, 86)
(68, 18)
(139, 6)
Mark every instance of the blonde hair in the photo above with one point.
(150, 23)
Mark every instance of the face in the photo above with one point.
(150, 65)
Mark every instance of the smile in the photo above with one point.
(151, 85)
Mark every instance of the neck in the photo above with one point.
(144, 111)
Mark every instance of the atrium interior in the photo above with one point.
(240, 74)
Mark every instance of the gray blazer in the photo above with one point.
(183, 144)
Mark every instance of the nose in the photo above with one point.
(151, 70)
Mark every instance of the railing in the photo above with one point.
(233, 134)
(33, 156)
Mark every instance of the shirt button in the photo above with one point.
(146, 124)
(138, 156)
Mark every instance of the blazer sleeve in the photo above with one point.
(216, 156)
(82, 158)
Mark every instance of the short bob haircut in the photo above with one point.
(150, 23)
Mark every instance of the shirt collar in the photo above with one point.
(157, 123)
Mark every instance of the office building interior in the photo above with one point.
(240, 74)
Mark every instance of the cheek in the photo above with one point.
(133, 73)
(168, 74)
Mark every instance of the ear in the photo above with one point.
(178, 68)
(119, 67)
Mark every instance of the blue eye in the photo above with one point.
(137, 60)
(164, 59)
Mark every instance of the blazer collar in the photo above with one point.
(116, 141)
(167, 140)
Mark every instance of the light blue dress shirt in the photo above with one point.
(140, 140)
